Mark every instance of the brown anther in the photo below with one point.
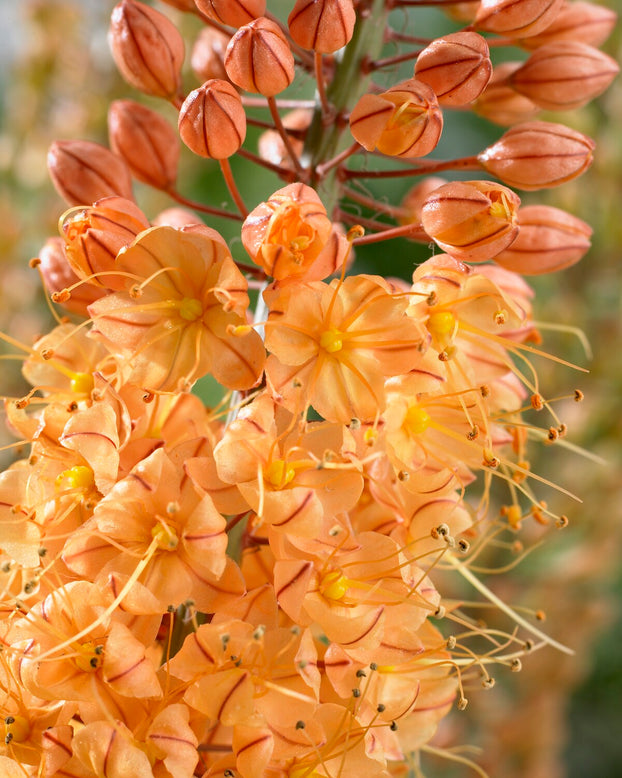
(34, 262)
(473, 434)
(528, 645)
(553, 434)
(60, 297)
(47, 353)
(432, 299)
(540, 615)
(135, 292)
(578, 395)
(500, 317)
(440, 612)
(72, 406)
(403, 475)
(516, 665)
(488, 683)
(23, 403)
(489, 459)
(484, 390)
(444, 356)
(462, 703)
(561, 522)
(463, 545)
(537, 403)
(451, 642)
(562, 430)
(148, 397)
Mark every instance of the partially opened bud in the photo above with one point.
(83, 171)
(500, 104)
(286, 234)
(95, 235)
(578, 21)
(271, 146)
(457, 67)
(516, 18)
(212, 122)
(258, 58)
(208, 54)
(58, 275)
(414, 199)
(471, 220)
(563, 75)
(404, 121)
(549, 239)
(538, 155)
(147, 48)
(234, 13)
(146, 141)
(323, 26)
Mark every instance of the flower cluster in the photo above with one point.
(260, 588)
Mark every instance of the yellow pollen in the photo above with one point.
(334, 585)
(165, 536)
(90, 657)
(78, 477)
(500, 209)
(190, 309)
(417, 420)
(302, 771)
(441, 323)
(332, 340)
(279, 473)
(16, 729)
(82, 383)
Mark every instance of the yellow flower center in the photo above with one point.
(334, 585)
(417, 420)
(407, 113)
(78, 477)
(90, 656)
(190, 309)
(16, 729)
(165, 536)
(279, 473)
(82, 383)
(331, 340)
(440, 324)
(500, 207)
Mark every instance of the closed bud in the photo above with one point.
(234, 13)
(146, 141)
(212, 122)
(270, 143)
(323, 26)
(415, 197)
(549, 239)
(563, 75)
(175, 217)
(501, 104)
(95, 235)
(538, 155)
(58, 275)
(471, 220)
(462, 12)
(404, 121)
(147, 48)
(580, 21)
(208, 54)
(457, 67)
(258, 58)
(83, 171)
(516, 18)
(182, 5)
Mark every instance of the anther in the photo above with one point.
(578, 395)
(381, 708)
(562, 430)
(373, 666)
(440, 612)
(500, 317)
(34, 262)
(488, 683)
(540, 615)
(473, 434)
(553, 434)
(393, 726)
(537, 403)
(462, 703)
(561, 522)
(300, 725)
(403, 476)
(451, 642)
(356, 693)
(361, 674)
(484, 390)
(47, 353)
(516, 666)
(148, 397)
(463, 545)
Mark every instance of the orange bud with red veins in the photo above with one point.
(95, 235)
(234, 13)
(182, 5)
(538, 155)
(258, 58)
(323, 26)
(146, 141)
(286, 234)
(563, 75)
(516, 18)
(579, 21)
(270, 144)
(212, 122)
(500, 104)
(404, 121)
(176, 217)
(83, 172)
(462, 12)
(471, 220)
(415, 197)
(457, 67)
(208, 54)
(58, 275)
(147, 48)
(549, 239)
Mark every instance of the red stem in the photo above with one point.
(201, 207)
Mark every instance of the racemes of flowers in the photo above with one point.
(262, 588)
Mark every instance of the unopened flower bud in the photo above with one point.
(233, 13)
(95, 235)
(175, 217)
(538, 155)
(516, 18)
(549, 239)
(146, 141)
(83, 171)
(404, 121)
(415, 197)
(563, 75)
(286, 234)
(147, 48)
(58, 275)
(457, 67)
(212, 122)
(323, 26)
(182, 5)
(258, 58)
(208, 54)
(471, 220)
(501, 104)
(270, 144)
(577, 21)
